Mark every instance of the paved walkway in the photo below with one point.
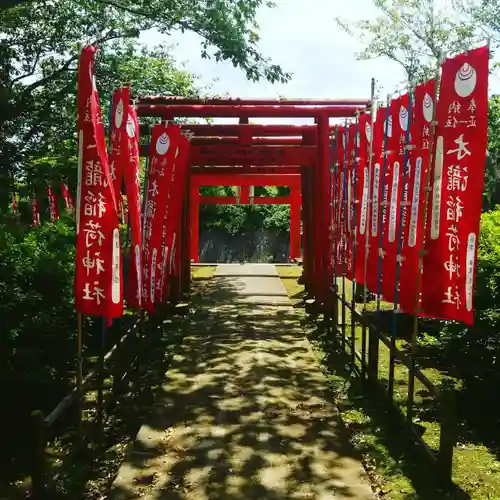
(244, 412)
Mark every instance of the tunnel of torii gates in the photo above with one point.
(245, 196)
(247, 155)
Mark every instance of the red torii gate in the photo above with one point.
(246, 182)
(243, 147)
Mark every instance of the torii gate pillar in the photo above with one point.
(295, 200)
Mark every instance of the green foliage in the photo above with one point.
(486, 15)
(37, 341)
(488, 272)
(39, 53)
(244, 219)
(471, 353)
(414, 33)
(32, 262)
(492, 171)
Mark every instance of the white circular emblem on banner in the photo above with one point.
(465, 80)
(403, 118)
(428, 107)
(119, 114)
(162, 144)
(130, 127)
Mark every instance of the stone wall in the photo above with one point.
(259, 246)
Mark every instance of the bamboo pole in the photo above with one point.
(79, 372)
(354, 238)
(402, 201)
(421, 252)
(367, 226)
(343, 232)
(383, 206)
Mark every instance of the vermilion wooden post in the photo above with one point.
(312, 229)
(244, 194)
(194, 221)
(305, 228)
(323, 223)
(186, 241)
(295, 203)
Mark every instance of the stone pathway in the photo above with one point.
(244, 412)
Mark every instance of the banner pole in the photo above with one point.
(384, 203)
(402, 201)
(79, 372)
(354, 238)
(345, 138)
(100, 390)
(334, 206)
(369, 195)
(143, 225)
(421, 252)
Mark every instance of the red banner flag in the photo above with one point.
(35, 212)
(98, 278)
(362, 193)
(118, 143)
(339, 208)
(68, 201)
(133, 192)
(460, 154)
(164, 141)
(423, 110)
(53, 205)
(379, 186)
(177, 197)
(394, 178)
(350, 199)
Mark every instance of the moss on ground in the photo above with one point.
(396, 469)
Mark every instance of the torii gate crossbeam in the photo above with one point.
(247, 146)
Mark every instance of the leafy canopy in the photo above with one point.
(414, 33)
(39, 49)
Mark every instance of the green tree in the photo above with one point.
(414, 33)
(492, 171)
(51, 156)
(39, 54)
(486, 14)
(417, 34)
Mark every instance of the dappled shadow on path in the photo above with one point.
(243, 414)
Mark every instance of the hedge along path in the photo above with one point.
(244, 410)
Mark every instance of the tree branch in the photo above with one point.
(119, 6)
(67, 64)
(46, 106)
(31, 72)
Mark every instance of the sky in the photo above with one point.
(302, 37)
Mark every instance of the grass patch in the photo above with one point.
(476, 468)
(289, 276)
(202, 273)
(396, 468)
